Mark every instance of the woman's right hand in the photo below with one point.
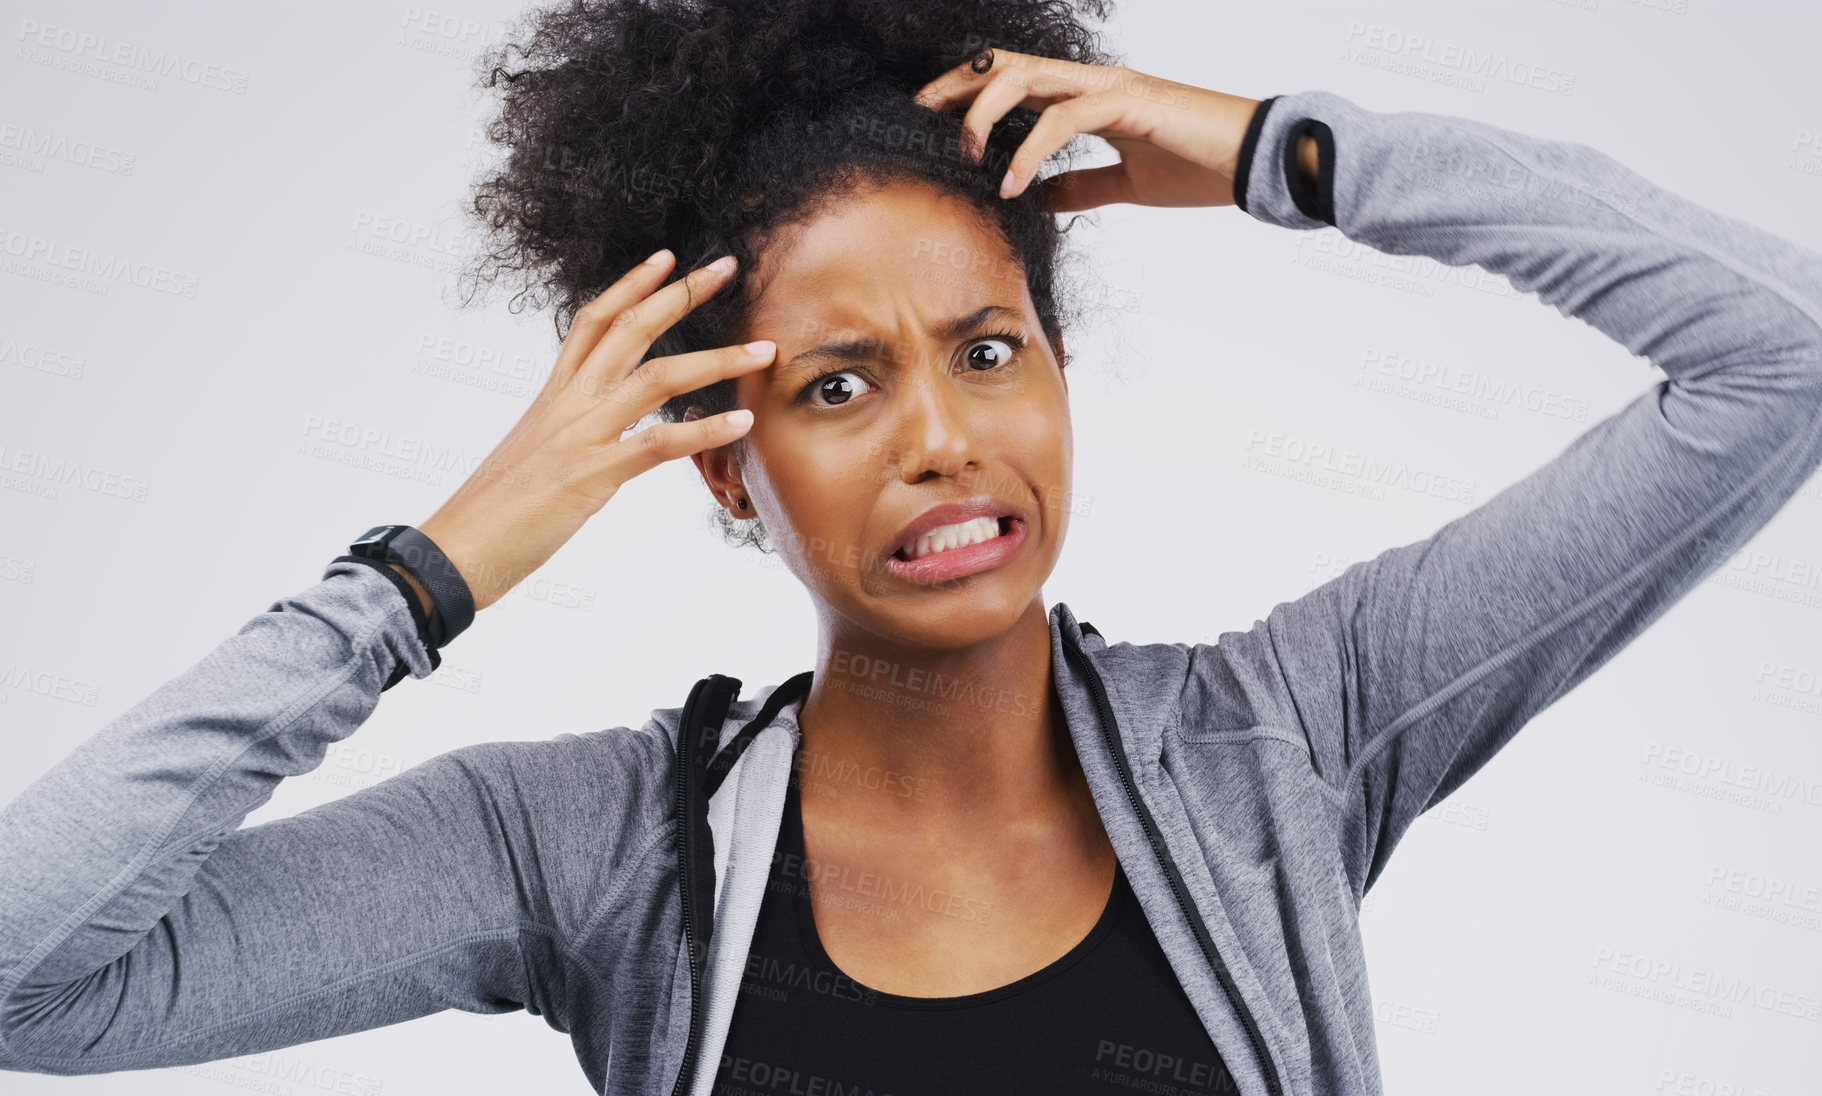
(565, 458)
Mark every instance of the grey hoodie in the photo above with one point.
(1252, 788)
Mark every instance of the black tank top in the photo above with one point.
(1107, 1017)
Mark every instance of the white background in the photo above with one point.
(1484, 934)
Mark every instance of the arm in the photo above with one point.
(1407, 672)
(139, 927)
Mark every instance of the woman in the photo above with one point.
(1074, 865)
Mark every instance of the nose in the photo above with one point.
(935, 433)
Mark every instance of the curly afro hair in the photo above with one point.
(707, 125)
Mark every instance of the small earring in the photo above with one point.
(742, 504)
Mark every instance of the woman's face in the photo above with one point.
(900, 384)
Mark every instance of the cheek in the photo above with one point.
(1038, 427)
(819, 493)
(1039, 447)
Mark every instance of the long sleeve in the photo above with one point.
(141, 927)
(1408, 671)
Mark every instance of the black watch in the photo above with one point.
(452, 604)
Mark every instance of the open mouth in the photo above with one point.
(953, 537)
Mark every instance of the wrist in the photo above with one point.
(426, 578)
(474, 576)
(425, 601)
(1307, 159)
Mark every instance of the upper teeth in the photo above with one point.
(944, 537)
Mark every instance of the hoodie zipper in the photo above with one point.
(685, 755)
(711, 774)
(1109, 731)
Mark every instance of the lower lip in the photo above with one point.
(959, 562)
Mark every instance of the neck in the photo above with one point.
(954, 740)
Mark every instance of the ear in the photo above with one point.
(1062, 372)
(719, 471)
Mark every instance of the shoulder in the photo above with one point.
(619, 770)
(627, 771)
(1235, 682)
(576, 818)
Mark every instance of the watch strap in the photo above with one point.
(418, 618)
(452, 603)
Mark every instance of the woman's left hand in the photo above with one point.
(1179, 144)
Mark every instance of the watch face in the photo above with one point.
(373, 542)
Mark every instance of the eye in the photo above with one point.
(833, 387)
(1001, 348)
(987, 353)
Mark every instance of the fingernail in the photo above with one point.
(761, 347)
(1006, 184)
(740, 417)
(658, 257)
(723, 264)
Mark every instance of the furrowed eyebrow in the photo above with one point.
(863, 349)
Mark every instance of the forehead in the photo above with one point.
(879, 254)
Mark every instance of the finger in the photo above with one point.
(593, 318)
(1006, 91)
(1087, 188)
(1054, 128)
(668, 441)
(960, 83)
(663, 379)
(634, 329)
(1045, 80)
(955, 85)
